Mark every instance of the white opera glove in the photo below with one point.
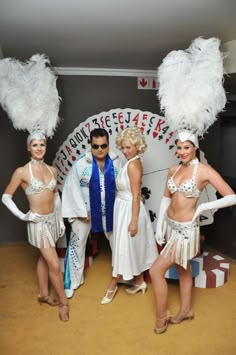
(57, 208)
(160, 237)
(29, 216)
(225, 201)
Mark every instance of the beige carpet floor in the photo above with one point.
(125, 326)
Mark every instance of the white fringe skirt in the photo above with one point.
(46, 232)
(182, 240)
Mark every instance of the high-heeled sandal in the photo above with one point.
(48, 300)
(175, 320)
(136, 288)
(64, 312)
(107, 299)
(161, 330)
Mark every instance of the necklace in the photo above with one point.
(36, 162)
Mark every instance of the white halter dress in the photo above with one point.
(130, 255)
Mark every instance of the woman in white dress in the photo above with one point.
(134, 247)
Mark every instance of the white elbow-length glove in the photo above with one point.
(225, 201)
(57, 208)
(10, 204)
(160, 237)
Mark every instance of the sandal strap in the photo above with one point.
(48, 300)
(167, 316)
(108, 291)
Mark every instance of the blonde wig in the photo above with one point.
(135, 136)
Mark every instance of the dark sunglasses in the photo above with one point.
(102, 146)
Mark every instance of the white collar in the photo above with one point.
(194, 161)
(36, 162)
(89, 156)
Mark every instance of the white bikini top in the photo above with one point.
(187, 188)
(36, 186)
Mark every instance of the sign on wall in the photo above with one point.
(147, 83)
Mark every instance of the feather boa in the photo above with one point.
(28, 93)
(191, 89)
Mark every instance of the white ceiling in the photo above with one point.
(131, 34)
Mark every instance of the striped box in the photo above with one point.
(215, 271)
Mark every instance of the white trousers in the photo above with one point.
(75, 255)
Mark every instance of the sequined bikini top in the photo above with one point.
(36, 186)
(188, 188)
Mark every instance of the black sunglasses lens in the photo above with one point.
(96, 146)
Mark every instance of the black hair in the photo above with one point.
(198, 153)
(99, 132)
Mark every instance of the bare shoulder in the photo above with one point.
(208, 175)
(135, 164)
(135, 167)
(207, 170)
(172, 169)
(21, 171)
(18, 177)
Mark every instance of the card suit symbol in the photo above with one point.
(83, 146)
(69, 163)
(146, 192)
(73, 158)
(78, 152)
(152, 215)
(110, 131)
(148, 131)
(171, 147)
(155, 134)
(117, 129)
(160, 137)
(143, 82)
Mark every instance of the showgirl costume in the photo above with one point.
(46, 231)
(29, 95)
(191, 96)
(182, 237)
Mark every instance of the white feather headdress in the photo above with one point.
(29, 95)
(191, 89)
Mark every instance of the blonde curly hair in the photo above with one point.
(135, 136)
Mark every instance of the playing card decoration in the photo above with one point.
(160, 155)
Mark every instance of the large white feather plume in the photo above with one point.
(28, 93)
(191, 89)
